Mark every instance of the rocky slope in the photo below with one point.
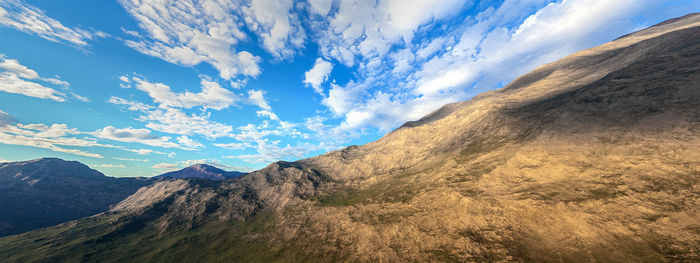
(48, 191)
(595, 157)
(201, 171)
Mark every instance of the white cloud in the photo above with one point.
(484, 52)
(130, 159)
(11, 83)
(167, 166)
(13, 66)
(57, 136)
(368, 28)
(191, 33)
(280, 31)
(6, 119)
(24, 17)
(270, 151)
(106, 165)
(234, 145)
(80, 98)
(318, 74)
(212, 95)
(48, 137)
(251, 133)
(341, 99)
(174, 121)
(268, 114)
(256, 97)
(19, 79)
(189, 143)
(143, 136)
(322, 7)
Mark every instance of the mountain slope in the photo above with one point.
(595, 157)
(201, 171)
(48, 191)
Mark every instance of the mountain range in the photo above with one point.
(595, 157)
(48, 191)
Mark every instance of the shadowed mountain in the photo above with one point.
(201, 171)
(595, 157)
(49, 191)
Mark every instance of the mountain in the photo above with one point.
(201, 171)
(49, 191)
(595, 157)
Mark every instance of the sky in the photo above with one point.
(142, 87)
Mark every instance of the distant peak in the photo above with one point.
(202, 170)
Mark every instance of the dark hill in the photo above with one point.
(49, 191)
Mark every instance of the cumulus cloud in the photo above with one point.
(24, 17)
(367, 28)
(256, 97)
(318, 74)
(281, 33)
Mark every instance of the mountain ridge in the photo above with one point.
(48, 191)
(201, 171)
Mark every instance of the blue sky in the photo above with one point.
(137, 87)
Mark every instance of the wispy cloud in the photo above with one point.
(212, 95)
(27, 18)
(143, 136)
(130, 159)
(174, 121)
(189, 34)
(58, 137)
(107, 165)
(270, 151)
(19, 79)
(52, 137)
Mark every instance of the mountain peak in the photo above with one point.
(47, 191)
(49, 167)
(201, 170)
